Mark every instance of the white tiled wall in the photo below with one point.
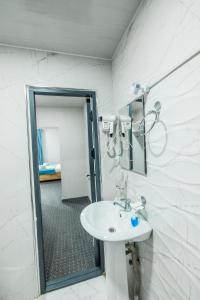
(162, 35)
(17, 69)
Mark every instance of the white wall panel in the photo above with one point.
(19, 68)
(161, 36)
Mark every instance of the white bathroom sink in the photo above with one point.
(107, 222)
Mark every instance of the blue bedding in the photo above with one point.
(47, 171)
(47, 168)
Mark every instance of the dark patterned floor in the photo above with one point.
(67, 246)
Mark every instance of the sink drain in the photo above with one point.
(111, 229)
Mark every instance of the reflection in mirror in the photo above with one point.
(125, 139)
(138, 136)
(134, 157)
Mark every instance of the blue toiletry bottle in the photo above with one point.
(134, 221)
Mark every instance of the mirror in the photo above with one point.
(125, 160)
(134, 147)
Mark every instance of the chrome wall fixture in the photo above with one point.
(156, 113)
(138, 127)
(137, 88)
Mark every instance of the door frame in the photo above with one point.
(31, 92)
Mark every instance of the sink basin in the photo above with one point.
(107, 222)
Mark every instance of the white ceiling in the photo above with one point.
(59, 101)
(83, 27)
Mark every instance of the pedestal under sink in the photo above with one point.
(107, 222)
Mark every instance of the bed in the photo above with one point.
(49, 171)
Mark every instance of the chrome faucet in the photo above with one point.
(124, 203)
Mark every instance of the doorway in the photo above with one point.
(65, 178)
